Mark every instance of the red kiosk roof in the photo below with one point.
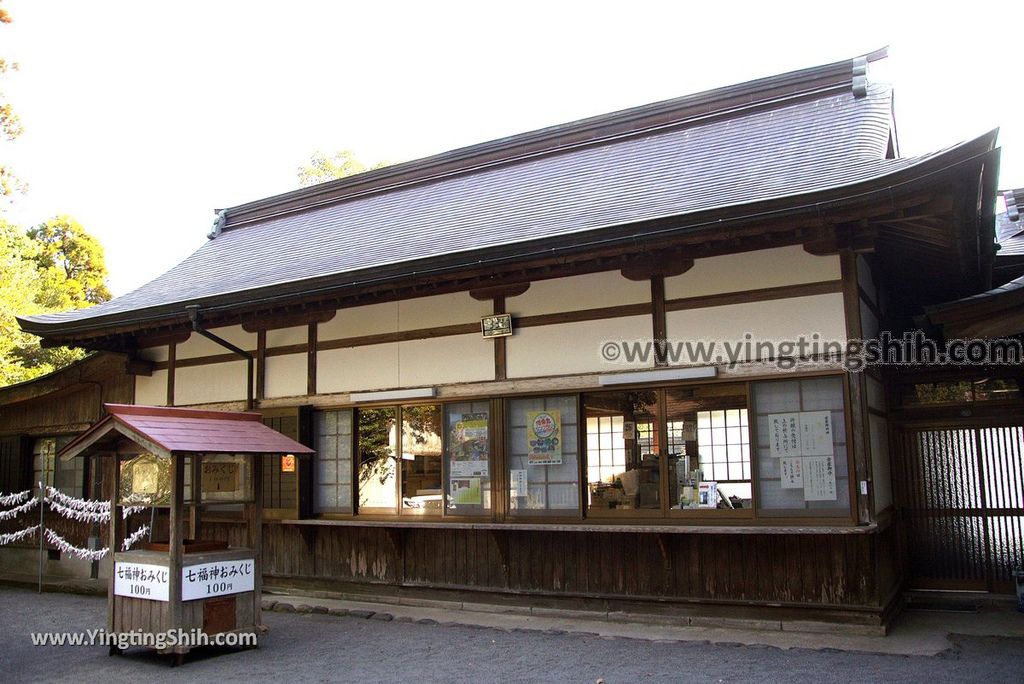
(188, 430)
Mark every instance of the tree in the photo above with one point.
(71, 263)
(10, 124)
(342, 164)
(19, 280)
(55, 266)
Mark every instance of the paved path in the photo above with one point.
(316, 647)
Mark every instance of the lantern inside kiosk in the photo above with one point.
(174, 589)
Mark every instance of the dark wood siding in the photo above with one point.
(15, 464)
(828, 571)
(68, 401)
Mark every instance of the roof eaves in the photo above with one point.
(819, 200)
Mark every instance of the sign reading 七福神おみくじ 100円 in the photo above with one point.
(142, 580)
(217, 579)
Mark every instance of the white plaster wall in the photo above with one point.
(284, 337)
(572, 347)
(457, 358)
(210, 383)
(591, 291)
(358, 368)
(440, 310)
(357, 321)
(197, 345)
(776, 320)
(752, 271)
(285, 376)
(151, 390)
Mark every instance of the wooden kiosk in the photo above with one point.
(180, 462)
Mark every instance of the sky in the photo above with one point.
(143, 118)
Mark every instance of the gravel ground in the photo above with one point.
(312, 647)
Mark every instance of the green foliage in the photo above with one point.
(55, 266)
(10, 125)
(71, 264)
(322, 168)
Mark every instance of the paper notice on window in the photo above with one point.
(816, 433)
(784, 434)
(792, 472)
(517, 483)
(466, 491)
(544, 432)
(819, 474)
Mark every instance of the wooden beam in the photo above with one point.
(661, 263)
(136, 366)
(493, 292)
(159, 339)
(287, 320)
(761, 295)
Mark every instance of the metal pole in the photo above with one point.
(42, 504)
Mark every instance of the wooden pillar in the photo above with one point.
(176, 537)
(498, 294)
(112, 474)
(658, 320)
(195, 521)
(172, 353)
(261, 365)
(254, 534)
(311, 359)
(500, 366)
(857, 390)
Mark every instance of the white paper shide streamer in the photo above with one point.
(56, 496)
(12, 537)
(13, 513)
(66, 547)
(82, 510)
(14, 499)
(80, 515)
(135, 536)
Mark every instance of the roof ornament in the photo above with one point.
(218, 224)
(860, 76)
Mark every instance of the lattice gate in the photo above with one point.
(960, 496)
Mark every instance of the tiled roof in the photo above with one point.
(799, 146)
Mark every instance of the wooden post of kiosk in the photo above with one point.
(183, 591)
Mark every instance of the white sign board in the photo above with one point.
(819, 478)
(517, 483)
(217, 579)
(142, 580)
(784, 434)
(792, 473)
(816, 433)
